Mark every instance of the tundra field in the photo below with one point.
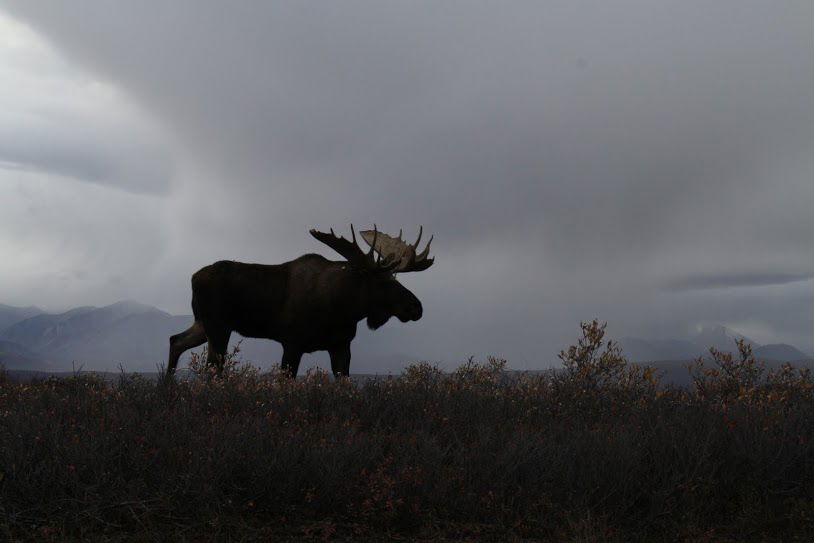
(597, 452)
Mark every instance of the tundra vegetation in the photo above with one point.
(595, 452)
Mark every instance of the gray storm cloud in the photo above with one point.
(56, 121)
(573, 160)
(95, 160)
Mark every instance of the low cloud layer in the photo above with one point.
(573, 160)
(748, 279)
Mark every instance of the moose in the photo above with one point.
(307, 304)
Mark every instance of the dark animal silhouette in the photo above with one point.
(308, 304)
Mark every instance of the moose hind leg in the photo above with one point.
(216, 349)
(340, 361)
(189, 338)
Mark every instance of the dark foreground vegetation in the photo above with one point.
(598, 452)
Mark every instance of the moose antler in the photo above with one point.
(353, 253)
(398, 251)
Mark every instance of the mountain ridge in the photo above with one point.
(10, 314)
(126, 331)
(698, 344)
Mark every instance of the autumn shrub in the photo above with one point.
(727, 376)
(595, 451)
(596, 374)
(233, 366)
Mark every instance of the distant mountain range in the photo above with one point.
(698, 344)
(10, 315)
(130, 333)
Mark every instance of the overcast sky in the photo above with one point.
(647, 163)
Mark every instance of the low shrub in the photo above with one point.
(595, 452)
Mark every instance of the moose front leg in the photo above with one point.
(291, 361)
(340, 361)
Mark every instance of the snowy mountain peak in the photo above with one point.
(719, 336)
